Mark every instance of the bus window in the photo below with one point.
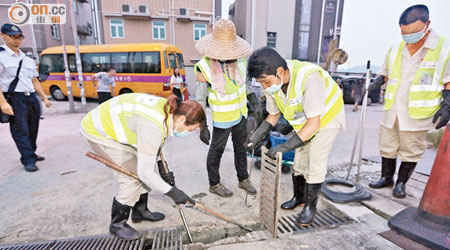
(72, 63)
(180, 61)
(147, 62)
(165, 60)
(95, 62)
(121, 62)
(52, 63)
(173, 61)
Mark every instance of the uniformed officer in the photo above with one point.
(22, 104)
(417, 73)
(311, 101)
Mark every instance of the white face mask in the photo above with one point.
(180, 134)
(275, 88)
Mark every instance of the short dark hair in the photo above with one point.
(264, 61)
(414, 13)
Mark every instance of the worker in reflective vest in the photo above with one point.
(417, 95)
(221, 76)
(311, 101)
(129, 130)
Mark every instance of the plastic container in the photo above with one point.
(277, 138)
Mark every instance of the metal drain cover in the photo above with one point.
(86, 243)
(167, 238)
(324, 219)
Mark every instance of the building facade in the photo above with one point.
(292, 27)
(46, 35)
(178, 22)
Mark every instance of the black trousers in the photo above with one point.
(103, 97)
(218, 143)
(177, 92)
(24, 125)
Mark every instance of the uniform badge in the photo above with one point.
(425, 78)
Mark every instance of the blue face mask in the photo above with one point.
(275, 88)
(181, 134)
(414, 37)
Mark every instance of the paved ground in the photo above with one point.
(71, 195)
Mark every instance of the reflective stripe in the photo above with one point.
(227, 98)
(117, 124)
(298, 121)
(300, 76)
(332, 101)
(97, 122)
(445, 50)
(206, 71)
(393, 55)
(388, 96)
(426, 103)
(227, 108)
(129, 107)
(422, 87)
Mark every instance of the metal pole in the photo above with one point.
(336, 19)
(319, 50)
(66, 69)
(77, 58)
(253, 24)
(33, 38)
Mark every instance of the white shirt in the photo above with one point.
(177, 80)
(9, 62)
(410, 65)
(104, 81)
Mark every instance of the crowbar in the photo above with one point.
(132, 175)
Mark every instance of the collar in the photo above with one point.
(290, 68)
(11, 53)
(170, 125)
(432, 40)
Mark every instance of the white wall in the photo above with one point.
(280, 19)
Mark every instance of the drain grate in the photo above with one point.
(324, 219)
(167, 238)
(86, 243)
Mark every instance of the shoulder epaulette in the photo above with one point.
(2, 49)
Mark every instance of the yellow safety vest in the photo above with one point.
(425, 91)
(233, 104)
(293, 109)
(108, 121)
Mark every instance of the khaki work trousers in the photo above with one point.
(130, 189)
(311, 160)
(409, 146)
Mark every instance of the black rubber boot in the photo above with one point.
(387, 173)
(406, 170)
(299, 193)
(119, 226)
(140, 211)
(309, 211)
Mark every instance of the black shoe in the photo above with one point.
(406, 170)
(140, 211)
(299, 193)
(40, 158)
(387, 173)
(119, 226)
(31, 167)
(306, 217)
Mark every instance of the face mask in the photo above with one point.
(414, 37)
(182, 134)
(275, 88)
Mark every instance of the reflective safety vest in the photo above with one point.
(228, 107)
(425, 91)
(108, 121)
(293, 109)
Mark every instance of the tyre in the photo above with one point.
(125, 91)
(57, 93)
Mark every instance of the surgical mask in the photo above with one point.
(414, 37)
(181, 134)
(275, 87)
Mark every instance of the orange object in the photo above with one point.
(186, 94)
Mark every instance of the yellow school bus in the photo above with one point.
(141, 68)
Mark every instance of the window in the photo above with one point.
(159, 30)
(121, 62)
(116, 28)
(199, 31)
(166, 63)
(173, 61)
(305, 21)
(54, 30)
(95, 62)
(180, 61)
(271, 39)
(147, 62)
(126, 8)
(55, 63)
(75, 7)
(143, 9)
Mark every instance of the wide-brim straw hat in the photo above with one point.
(223, 43)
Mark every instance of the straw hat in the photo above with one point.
(223, 43)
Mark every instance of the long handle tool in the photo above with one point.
(249, 176)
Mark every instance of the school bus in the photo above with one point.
(141, 68)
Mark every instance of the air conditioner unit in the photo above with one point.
(183, 12)
(143, 9)
(126, 8)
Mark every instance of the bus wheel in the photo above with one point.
(57, 93)
(125, 91)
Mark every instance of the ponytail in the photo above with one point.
(192, 110)
(169, 108)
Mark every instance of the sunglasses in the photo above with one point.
(21, 37)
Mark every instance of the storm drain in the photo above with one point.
(87, 243)
(167, 238)
(324, 219)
